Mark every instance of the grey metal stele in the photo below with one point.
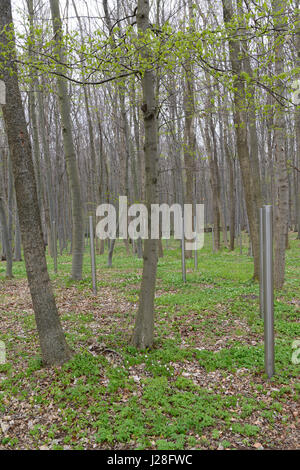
(92, 248)
(241, 239)
(261, 262)
(268, 290)
(195, 251)
(183, 266)
(54, 244)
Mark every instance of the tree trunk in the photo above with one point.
(282, 185)
(214, 185)
(72, 168)
(297, 125)
(52, 340)
(49, 202)
(18, 250)
(189, 126)
(240, 121)
(144, 324)
(232, 191)
(6, 240)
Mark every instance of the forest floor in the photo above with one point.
(201, 387)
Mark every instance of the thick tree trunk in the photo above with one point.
(52, 340)
(144, 324)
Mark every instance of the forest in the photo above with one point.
(149, 225)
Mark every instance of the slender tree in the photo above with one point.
(6, 239)
(282, 184)
(144, 324)
(240, 121)
(70, 155)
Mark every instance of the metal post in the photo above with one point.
(54, 244)
(261, 263)
(213, 237)
(241, 239)
(268, 291)
(195, 224)
(195, 250)
(183, 250)
(92, 248)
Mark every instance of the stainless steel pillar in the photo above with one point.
(268, 291)
(92, 248)
(261, 262)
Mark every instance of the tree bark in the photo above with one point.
(297, 124)
(144, 324)
(240, 121)
(282, 184)
(52, 340)
(72, 168)
(6, 240)
(189, 126)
